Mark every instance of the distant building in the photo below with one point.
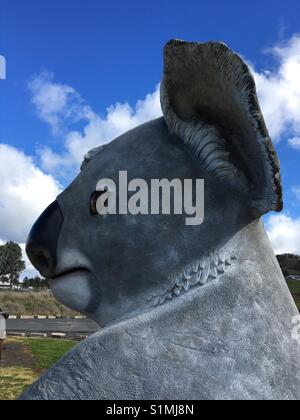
(5, 286)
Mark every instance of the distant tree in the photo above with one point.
(290, 264)
(11, 263)
(35, 283)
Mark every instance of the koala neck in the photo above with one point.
(201, 272)
(238, 269)
(238, 265)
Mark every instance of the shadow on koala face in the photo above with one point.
(110, 266)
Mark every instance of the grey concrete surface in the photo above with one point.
(65, 325)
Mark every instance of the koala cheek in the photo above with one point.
(73, 291)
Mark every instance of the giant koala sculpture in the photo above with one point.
(187, 312)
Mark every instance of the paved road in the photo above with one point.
(69, 326)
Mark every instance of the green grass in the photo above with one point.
(47, 352)
(294, 287)
(14, 380)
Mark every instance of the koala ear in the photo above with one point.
(209, 100)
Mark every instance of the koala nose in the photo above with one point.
(41, 246)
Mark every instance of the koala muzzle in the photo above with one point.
(41, 246)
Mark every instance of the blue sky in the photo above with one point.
(69, 61)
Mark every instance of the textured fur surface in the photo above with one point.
(209, 100)
(197, 274)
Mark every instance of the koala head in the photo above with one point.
(111, 266)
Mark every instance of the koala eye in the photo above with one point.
(94, 199)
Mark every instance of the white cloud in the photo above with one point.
(284, 233)
(294, 143)
(55, 103)
(279, 90)
(25, 191)
(60, 105)
(119, 119)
